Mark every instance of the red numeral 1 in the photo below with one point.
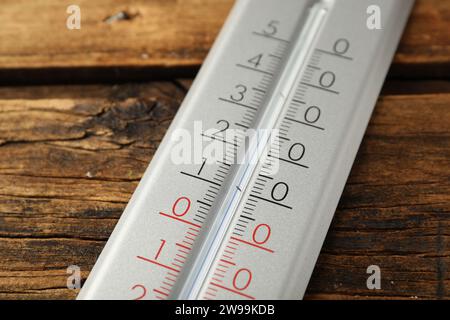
(163, 242)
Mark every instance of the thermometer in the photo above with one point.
(237, 200)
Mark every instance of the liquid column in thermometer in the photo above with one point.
(272, 109)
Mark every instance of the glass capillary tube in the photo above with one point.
(273, 107)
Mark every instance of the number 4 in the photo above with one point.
(256, 61)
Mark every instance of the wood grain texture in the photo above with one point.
(71, 156)
(163, 39)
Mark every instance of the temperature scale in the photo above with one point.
(295, 82)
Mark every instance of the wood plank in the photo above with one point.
(163, 39)
(424, 50)
(71, 156)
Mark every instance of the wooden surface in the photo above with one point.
(71, 155)
(163, 38)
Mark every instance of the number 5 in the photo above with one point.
(272, 28)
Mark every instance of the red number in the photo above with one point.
(267, 235)
(247, 283)
(144, 291)
(176, 205)
(163, 242)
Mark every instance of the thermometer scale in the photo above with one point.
(286, 93)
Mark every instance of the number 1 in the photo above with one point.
(163, 242)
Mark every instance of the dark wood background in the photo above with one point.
(82, 112)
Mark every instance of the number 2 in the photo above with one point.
(144, 291)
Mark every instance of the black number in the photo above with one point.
(281, 195)
(295, 155)
(256, 61)
(312, 114)
(201, 168)
(327, 79)
(240, 94)
(225, 127)
(271, 28)
(341, 46)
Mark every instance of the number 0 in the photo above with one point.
(264, 229)
(246, 283)
(175, 208)
(282, 195)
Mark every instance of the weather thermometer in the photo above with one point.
(237, 200)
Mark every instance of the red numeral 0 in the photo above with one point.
(175, 205)
(255, 232)
(247, 283)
